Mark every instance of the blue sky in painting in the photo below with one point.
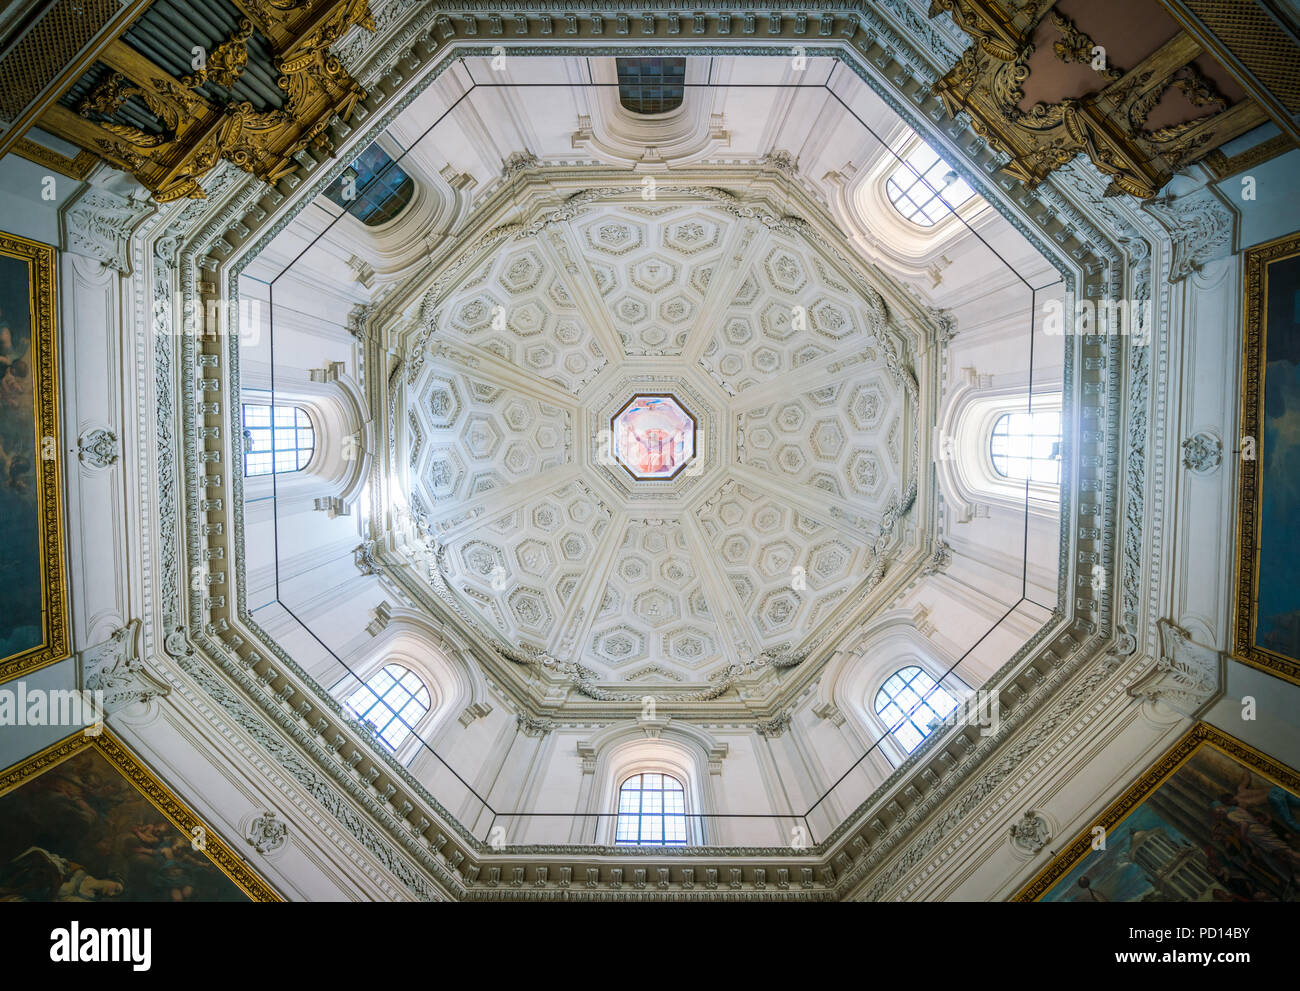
(1109, 871)
(1278, 590)
(20, 567)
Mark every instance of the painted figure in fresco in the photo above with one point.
(37, 875)
(82, 832)
(15, 367)
(1237, 884)
(1276, 798)
(172, 874)
(1258, 841)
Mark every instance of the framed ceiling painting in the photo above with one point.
(1213, 820)
(1266, 631)
(33, 620)
(84, 821)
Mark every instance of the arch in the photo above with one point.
(965, 467)
(338, 466)
(434, 660)
(438, 656)
(616, 135)
(684, 752)
(278, 438)
(852, 679)
(910, 701)
(883, 232)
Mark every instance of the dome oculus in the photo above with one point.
(653, 437)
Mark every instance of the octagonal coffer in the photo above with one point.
(653, 437)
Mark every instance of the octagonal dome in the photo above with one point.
(663, 432)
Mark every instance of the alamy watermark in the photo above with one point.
(1130, 318)
(23, 706)
(981, 709)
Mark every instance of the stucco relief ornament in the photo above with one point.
(267, 833)
(99, 223)
(1186, 677)
(175, 644)
(774, 727)
(939, 560)
(945, 323)
(1200, 228)
(364, 558)
(113, 668)
(98, 448)
(1031, 833)
(1202, 453)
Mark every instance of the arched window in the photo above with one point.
(651, 85)
(924, 188)
(276, 439)
(374, 188)
(651, 811)
(391, 704)
(1026, 446)
(912, 705)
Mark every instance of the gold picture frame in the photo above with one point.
(1197, 739)
(172, 809)
(1254, 362)
(46, 452)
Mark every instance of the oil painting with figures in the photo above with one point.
(1213, 821)
(32, 621)
(1268, 604)
(82, 830)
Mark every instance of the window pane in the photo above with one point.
(374, 188)
(924, 188)
(651, 811)
(912, 705)
(1027, 446)
(387, 702)
(651, 85)
(276, 438)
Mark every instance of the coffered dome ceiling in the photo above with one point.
(525, 350)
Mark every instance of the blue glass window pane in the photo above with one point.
(924, 188)
(276, 439)
(1027, 446)
(651, 811)
(651, 85)
(912, 706)
(393, 702)
(374, 188)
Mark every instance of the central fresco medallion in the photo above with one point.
(653, 436)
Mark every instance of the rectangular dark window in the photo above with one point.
(651, 85)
